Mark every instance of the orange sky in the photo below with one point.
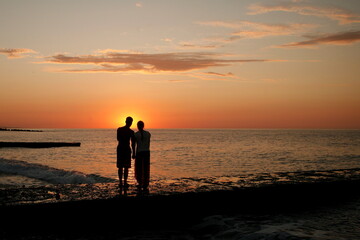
(243, 64)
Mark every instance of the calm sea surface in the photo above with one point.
(181, 153)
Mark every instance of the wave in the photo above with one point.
(49, 174)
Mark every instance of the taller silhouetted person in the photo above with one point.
(124, 136)
(142, 160)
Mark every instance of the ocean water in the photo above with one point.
(177, 153)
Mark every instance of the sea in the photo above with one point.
(198, 154)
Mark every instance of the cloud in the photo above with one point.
(341, 15)
(177, 81)
(168, 40)
(147, 63)
(244, 30)
(343, 38)
(229, 74)
(216, 76)
(247, 29)
(109, 50)
(208, 43)
(15, 52)
(199, 45)
(260, 30)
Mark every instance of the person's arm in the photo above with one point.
(133, 145)
(118, 135)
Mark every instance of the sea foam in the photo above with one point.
(49, 174)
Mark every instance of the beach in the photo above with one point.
(300, 205)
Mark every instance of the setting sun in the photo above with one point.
(135, 120)
(118, 118)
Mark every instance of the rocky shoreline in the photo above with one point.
(170, 205)
(55, 193)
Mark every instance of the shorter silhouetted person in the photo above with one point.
(142, 160)
(124, 136)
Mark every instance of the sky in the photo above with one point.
(180, 64)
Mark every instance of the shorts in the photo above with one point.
(123, 158)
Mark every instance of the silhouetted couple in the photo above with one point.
(140, 151)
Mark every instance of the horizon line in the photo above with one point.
(198, 128)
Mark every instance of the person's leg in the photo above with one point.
(126, 173)
(120, 172)
(137, 168)
(146, 170)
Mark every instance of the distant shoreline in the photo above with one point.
(38, 144)
(19, 130)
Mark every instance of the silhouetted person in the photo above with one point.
(124, 136)
(142, 160)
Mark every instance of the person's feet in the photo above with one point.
(142, 187)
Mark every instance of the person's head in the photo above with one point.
(129, 121)
(140, 125)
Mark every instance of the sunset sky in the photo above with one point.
(180, 64)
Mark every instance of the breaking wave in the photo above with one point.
(49, 174)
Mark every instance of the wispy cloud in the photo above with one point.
(343, 38)
(216, 76)
(147, 63)
(177, 81)
(341, 15)
(247, 29)
(244, 30)
(208, 43)
(16, 52)
(168, 40)
(199, 45)
(229, 74)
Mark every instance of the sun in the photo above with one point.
(116, 117)
(136, 117)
